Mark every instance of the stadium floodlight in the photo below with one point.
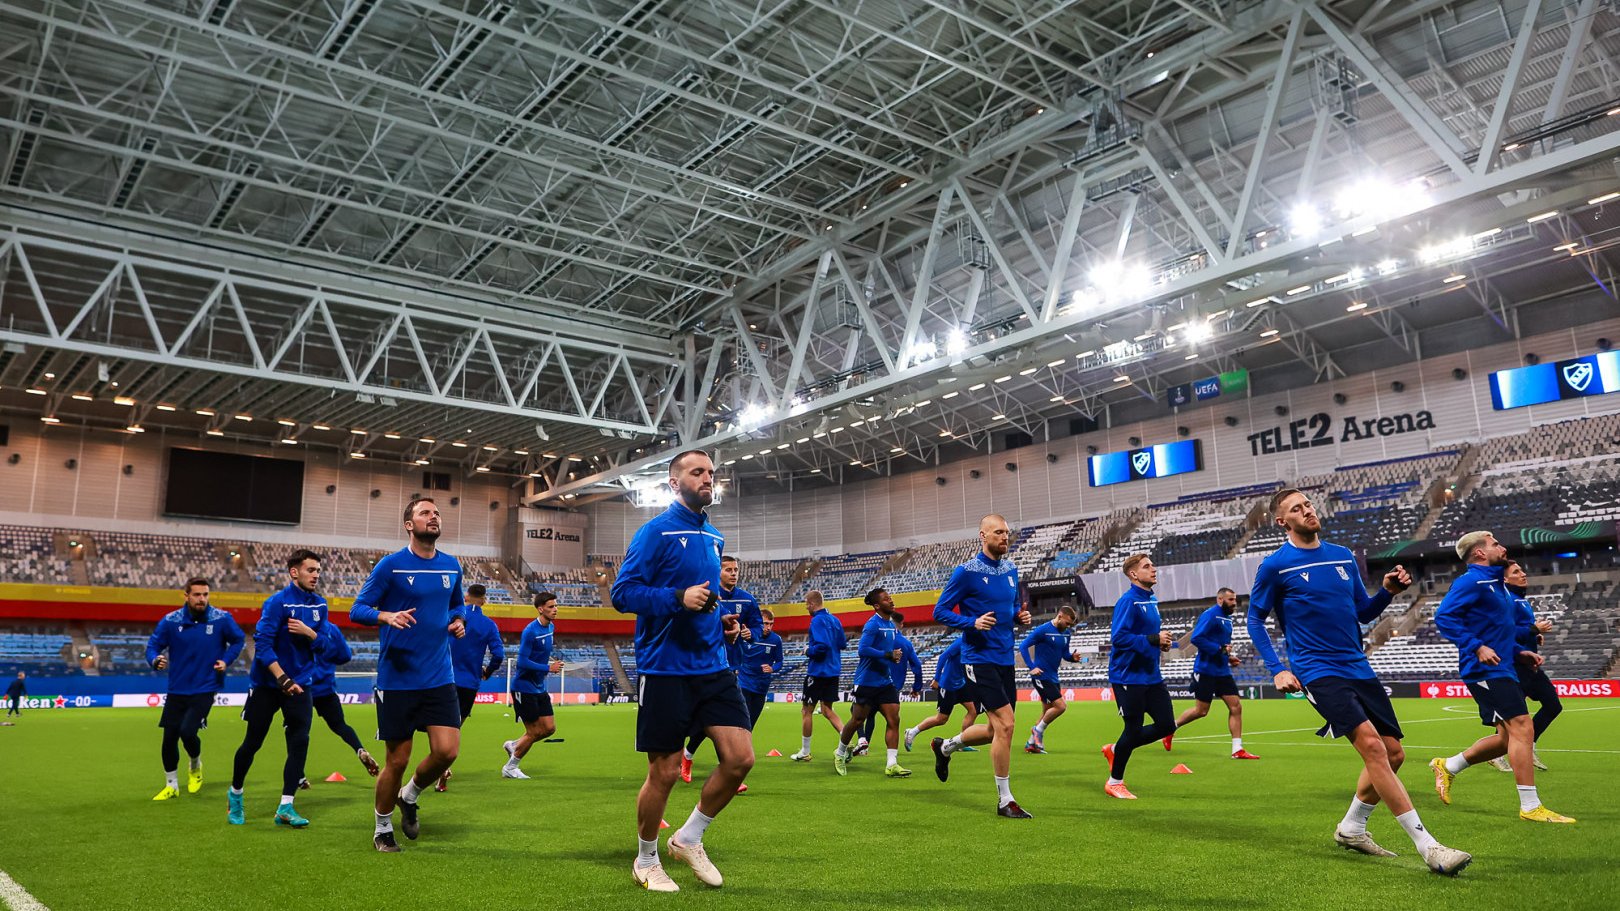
(1304, 220)
(1388, 266)
(1198, 332)
(956, 342)
(752, 417)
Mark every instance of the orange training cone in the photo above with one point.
(774, 753)
(336, 776)
(1181, 769)
(663, 823)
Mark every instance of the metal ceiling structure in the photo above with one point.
(559, 240)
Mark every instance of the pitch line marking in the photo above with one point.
(15, 897)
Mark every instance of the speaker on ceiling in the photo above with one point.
(1135, 442)
(1459, 374)
(1051, 458)
(939, 482)
(494, 505)
(1340, 398)
(1281, 410)
(1231, 421)
(129, 469)
(1604, 344)
(331, 489)
(974, 474)
(1011, 466)
(1531, 358)
(1397, 386)
(1091, 450)
(455, 501)
(71, 464)
(1182, 431)
(375, 493)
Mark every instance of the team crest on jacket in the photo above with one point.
(1011, 583)
(446, 580)
(209, 630)
(1342, 574)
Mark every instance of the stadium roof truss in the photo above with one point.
(818, 237)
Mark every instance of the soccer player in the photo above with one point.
(897, 672)
(329, 705)
(981, 600)
(531, 700)
(762, 659)
(1133, 671)
(875, 692)
(467, 655)
(670, 580)
(1532, 678)
(293, 629)
(952, 688)
(201, 641)
(1050, 641)
(1212, 671)
(825, 651)
(15, 693)
(1315, 590)
(1479, 616)
(733, 600)
(414, 596)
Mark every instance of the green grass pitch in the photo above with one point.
(79, 830)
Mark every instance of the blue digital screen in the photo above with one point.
(1159, 461)
(1594, 374)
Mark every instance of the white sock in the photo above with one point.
(1039, 729)
(894, 757)
(1414, 828)
(805, 745)
(1456, 764)
(236, 792)
(842, 750)
(646, 852)
(512, 761)
(385, 822)
(286, 800)
(1113, 781)
(951, 745)
(173, 778)
(687, 755)
(411, 791)
(1355, 820)
(1237, 744)
(692, 833)
(1003, 791)
(912, 733)
(1528, 798)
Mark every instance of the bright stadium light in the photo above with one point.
(1304, 220)
(956, 342)
(1198, 331)
(751, 417)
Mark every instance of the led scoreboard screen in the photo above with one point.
(1159, 461)
(1594, 374)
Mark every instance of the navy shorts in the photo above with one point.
(820, 689)
(674, 708)
(1138, 699)
(401, 713)
(1209, 687)
(1047, 688)
(950, 699)
(991, 685)
(887, 694)
(756, 707)
(1536, 685)
(531, 707)
(187, 712)
(1345, 702)
(1499, 698)
(465, 697)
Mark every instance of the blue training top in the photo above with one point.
(977, 587)
(1211, 635)
(195, 642)
(1320, 603)
(1479, 610)
(467, 653)
(1050, 649)
(417, 657)
(677, 549)
(534, 657)
(1134, 633)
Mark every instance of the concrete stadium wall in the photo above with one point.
(96, 495)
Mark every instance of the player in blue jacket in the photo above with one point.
(951, 686)
(670, 580)
(1050, 642)
(824, 650)
(467, 655)
(981, 600)
(875, 692)
(1212, 671)
(531, 696)
(1479, 616)
(329, 705)
(1133, 671)
(1533, 679)
(414, 595)
(201, 642)
(1316, 592)
(750, 626)
(761, 661)
(908, 663)
(292, 632)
